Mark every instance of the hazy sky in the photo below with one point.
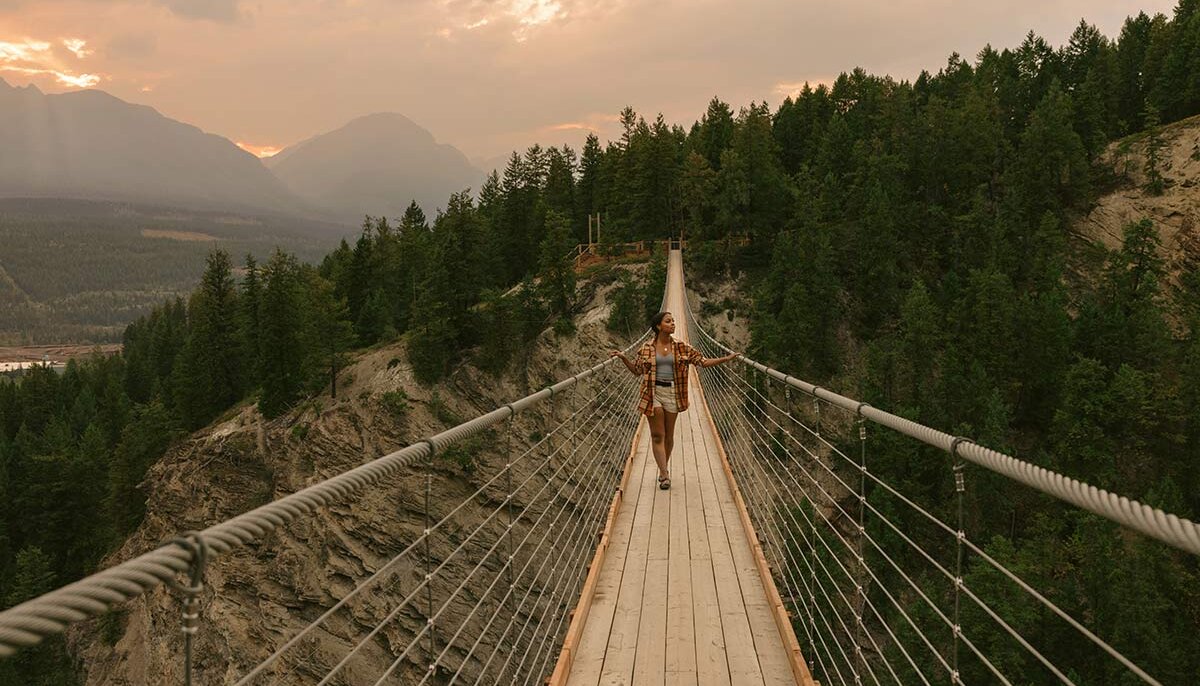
(489, 76)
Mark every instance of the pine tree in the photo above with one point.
(759, 209)
(715, 133)
(1130, 64)
(1176, 91)
(499, 334)
(559, 195)
(555, 267)
(432, 339)
(207, 373)
(248, 324)
(698, 184)
(626, 316)
(1155, 183)
(921, 324)
(415, 257)
(988, 323)
(328, 334)
(149, 432)
(1050, 172)
(360, 274)
(374, 321)
(1038, 68)
(796, 310)
(518, 219)
(587, 190)
(33, 576)
(280, 315)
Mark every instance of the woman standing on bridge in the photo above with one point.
(663, 363)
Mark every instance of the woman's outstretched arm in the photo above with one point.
(714, 361)
(632, 369)
(696, 357)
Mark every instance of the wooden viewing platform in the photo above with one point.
(679, 594)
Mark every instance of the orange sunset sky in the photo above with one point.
(488, 76)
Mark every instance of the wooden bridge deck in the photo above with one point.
(679, 598)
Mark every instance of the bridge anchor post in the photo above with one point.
(192, 594)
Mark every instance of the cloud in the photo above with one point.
(36, 58)
(793, 88)
(62, 78)
(25, 51)
(78, 46)
(221, 11)
(519, 18)
(594, 123)
(572, 126)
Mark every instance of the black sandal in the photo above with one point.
(665, 484)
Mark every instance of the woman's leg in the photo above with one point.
(656, 440)
(669, 433)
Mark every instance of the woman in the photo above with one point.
(663, 362)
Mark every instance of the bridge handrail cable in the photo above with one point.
(30, 622)
(388, 567)
(765, 435)
(1176, 531)
(724, 383)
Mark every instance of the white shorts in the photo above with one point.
(664, 397)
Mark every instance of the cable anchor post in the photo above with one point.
(508, 468)
(192, 593)
(817, 410)
(427, 535)
(860, 627)
(960, 487)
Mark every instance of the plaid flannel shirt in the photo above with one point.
(684, 355)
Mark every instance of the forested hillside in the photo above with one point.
(76, 271)
(909, 243)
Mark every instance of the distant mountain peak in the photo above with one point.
(386, 123)
(375, 164)
(31, 89)
(381, 117)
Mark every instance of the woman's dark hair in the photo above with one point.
(657, 319)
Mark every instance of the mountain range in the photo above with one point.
(91, 145)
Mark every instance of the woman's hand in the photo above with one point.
(628, 364)
(714, 361)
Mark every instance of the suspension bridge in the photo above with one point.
(781, 554)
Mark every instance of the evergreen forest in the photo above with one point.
(906, 243)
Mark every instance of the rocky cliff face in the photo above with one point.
(1174, 213)
(262, 594)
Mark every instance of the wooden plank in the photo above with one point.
(711, 664)
(681, 630)
(739, 641)
(589, 659)
(579, 615)
(651, 657)
(772, 659)
(621, 650)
